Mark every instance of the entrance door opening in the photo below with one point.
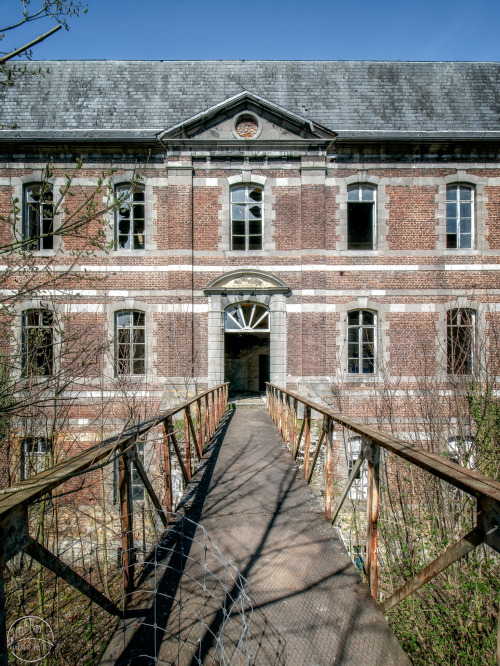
(246, 348)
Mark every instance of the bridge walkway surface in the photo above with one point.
(310, 606)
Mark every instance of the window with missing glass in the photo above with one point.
(37, 342)
(246, 217)
(130, 342)
(460, 341)
(459, 217)
(130, 220)
(361, 217)
(361, 341)
(38, 216)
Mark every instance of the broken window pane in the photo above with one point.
(246, 218)
(130, 218)
(38, 213)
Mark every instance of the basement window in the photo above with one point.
(459, 217)
(130, 218)
(361, 341)
(460, 341)
(38, 216)
(246, 217)
(360, 217)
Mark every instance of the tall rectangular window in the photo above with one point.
(38, 342)
(246, 217)
(361, 340)
(460, 341)
(130, 342)
(459, 216)
(130, 218)
(38, 216)
(360, 217)
(35, 456)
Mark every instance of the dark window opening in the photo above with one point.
(38, 216)
(38, 343)
(360, 217)
(460, 341)
(130, 219)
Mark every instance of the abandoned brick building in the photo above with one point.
(330, 226)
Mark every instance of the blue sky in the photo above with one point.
(270, 30)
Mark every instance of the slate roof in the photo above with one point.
(349, 97)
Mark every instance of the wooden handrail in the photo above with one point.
(468, 480)
(485, 490)
(26, 492)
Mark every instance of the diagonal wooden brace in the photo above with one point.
(54, 564)
(147, 484)
(451, 555)
(350, 481)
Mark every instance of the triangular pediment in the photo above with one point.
(246, 116)
(247, 281)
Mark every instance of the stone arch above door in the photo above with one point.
(247, 285)
(245, 281)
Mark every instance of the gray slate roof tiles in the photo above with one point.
(345, 96)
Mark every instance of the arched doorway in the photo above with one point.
(247, 347)
(246, 288)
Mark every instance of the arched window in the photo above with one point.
(246, 318)
(358, 489)
(361, 341)
(130, 217)
(38, 342)
(459, 217)
(246, 217)
(130, 342)
(361, 217)
(460, 341)
(38, 216)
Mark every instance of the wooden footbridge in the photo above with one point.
(247, 570)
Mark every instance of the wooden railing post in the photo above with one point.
(329, 427)
(187, 444)
(212, 413)
(127, 522)
(206, 422)
(293, 442)
(199, 428)
(167, 428)
(307, 439)
(372, 455)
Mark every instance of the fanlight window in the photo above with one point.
(247, 317)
